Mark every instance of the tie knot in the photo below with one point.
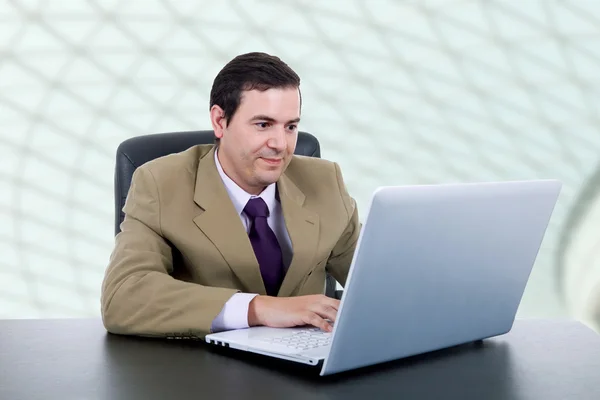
(256, 207)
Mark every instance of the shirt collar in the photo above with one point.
(239, 197)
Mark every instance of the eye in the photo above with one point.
(293, 127)
(262, 125)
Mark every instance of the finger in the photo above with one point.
(322, 299)
(324, 311)
(316, 321)
(333, 303)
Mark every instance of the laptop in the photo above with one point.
(435, 266)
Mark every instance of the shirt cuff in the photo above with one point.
(234, 314)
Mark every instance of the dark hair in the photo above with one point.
(249, 71)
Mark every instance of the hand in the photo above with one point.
(286, 312)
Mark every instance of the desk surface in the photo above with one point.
(77, 359)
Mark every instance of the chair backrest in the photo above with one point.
(138, 150)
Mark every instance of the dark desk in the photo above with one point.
(77, 359)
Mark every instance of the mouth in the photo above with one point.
(272, 161)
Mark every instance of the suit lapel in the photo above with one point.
(303, 228)
(222, 225)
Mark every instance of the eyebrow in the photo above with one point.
(269, 119)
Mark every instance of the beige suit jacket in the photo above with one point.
(183, 250)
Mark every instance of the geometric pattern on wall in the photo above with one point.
(397, 92)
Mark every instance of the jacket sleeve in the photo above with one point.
(340, 259)
(139, 295)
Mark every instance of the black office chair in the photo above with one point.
(138, 150)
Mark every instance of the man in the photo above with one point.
(236, 234)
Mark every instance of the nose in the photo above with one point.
(277, 140)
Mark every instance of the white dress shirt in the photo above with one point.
(234, 314)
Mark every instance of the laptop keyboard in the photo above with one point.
(310, 338)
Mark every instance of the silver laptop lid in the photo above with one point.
(438, 265)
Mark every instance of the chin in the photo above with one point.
(269, 177)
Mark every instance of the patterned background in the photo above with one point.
(398, 92)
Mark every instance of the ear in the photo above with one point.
(217, 120)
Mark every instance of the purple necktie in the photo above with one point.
(265, 245)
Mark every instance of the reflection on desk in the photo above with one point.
(77, 359)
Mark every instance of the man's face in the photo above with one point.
(258, 142)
